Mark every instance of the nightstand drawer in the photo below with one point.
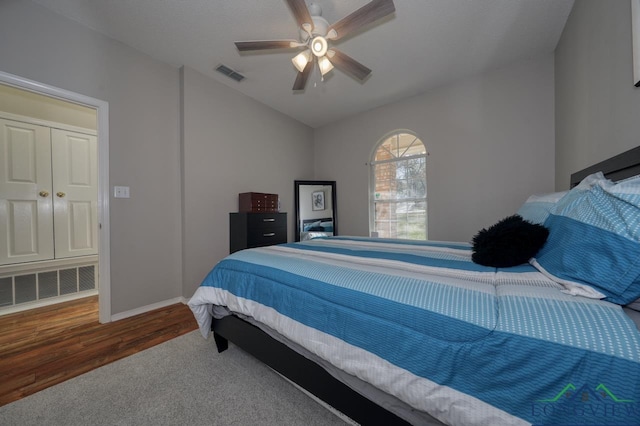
(267, 237)
(247, 230)
(266, 220)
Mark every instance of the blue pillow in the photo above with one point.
(537, 207)
(577, 193)
(593, 247)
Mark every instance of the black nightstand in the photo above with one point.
(247, 230)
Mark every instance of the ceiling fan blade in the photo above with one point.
(367, 14)
(301, 13)
(301, 79)
(266, 44)
(347, 64)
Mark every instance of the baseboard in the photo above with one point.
(147, 308)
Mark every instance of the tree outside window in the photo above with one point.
(398, 201)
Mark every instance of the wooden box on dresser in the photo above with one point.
(247, 230)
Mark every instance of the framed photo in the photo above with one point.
(317, 200)
(635, 40)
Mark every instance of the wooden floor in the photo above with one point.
(45, 346)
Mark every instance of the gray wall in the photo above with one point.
(597, 105)
(232, 144)
(143, 97)
(490, 140)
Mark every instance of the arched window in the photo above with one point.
(398, 198)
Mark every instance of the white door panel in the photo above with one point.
(81, 224)
(26, 222)
(75, 186)
(23, 220)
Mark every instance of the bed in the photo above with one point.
(314, 228)
(400, 332)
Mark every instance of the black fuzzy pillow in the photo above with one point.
(510, 242)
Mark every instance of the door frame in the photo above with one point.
(102, 112)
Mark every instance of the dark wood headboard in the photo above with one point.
(615, 168)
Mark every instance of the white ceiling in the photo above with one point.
(423, 45)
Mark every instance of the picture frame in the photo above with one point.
(635, 40)
(317, 200)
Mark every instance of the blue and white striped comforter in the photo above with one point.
(465, 343)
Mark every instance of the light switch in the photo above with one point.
(121, 192)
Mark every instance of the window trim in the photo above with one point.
(372, 177)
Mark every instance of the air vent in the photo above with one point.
(19, 287)
(230, 73)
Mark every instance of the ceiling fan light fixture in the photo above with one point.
(332, 34)
(301, 60)
(319, 46)
(315, 34)
(325, 65)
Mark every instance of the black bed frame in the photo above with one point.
(316, 379)
(300, 370)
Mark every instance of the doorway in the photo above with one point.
(75, 266)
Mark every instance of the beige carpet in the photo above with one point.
(181, 382)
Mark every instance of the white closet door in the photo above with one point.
(75, 193)
(26, 222)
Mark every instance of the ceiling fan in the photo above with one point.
(315, 35)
